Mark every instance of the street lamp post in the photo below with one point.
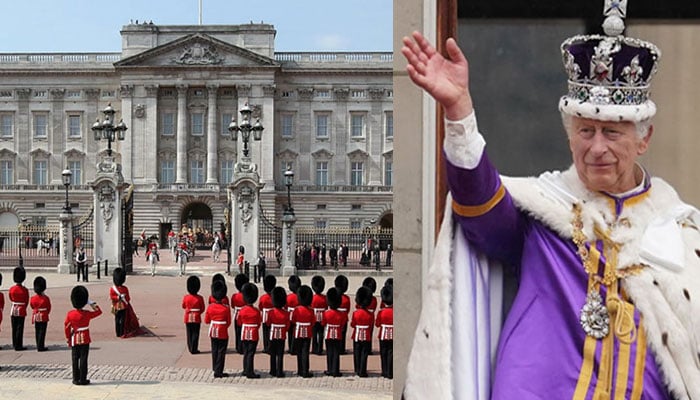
(245, 128)
(108, 130)
(66, 175)
(288, 233)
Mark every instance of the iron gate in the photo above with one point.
(127, 230)
(83, 234)
(269, 239)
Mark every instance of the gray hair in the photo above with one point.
(642, 127)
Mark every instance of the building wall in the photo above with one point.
(212, 71)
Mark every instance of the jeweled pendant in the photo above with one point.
(595, 318)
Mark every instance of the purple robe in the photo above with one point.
(541, 346)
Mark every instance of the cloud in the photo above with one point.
(332, 42)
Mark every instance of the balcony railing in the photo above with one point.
(336, 188)
(59, 58)
(41, 188)
(380, 58)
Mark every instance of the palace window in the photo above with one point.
(7, 123)
(167, 124)
(225, 122)
(357, 125)
(322, 173)
(388, 173)
(322, 125)
(7, 172)
(167, 171)
(75, 168)
(287, 122)
(196, 171)
(40, 172)
(74, 128)
(389, 125)
(356, 173)
(226, 171)
(41, 125)
(197, 124)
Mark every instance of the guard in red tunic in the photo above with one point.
(385, 324)
(265, 305)
(333, 322)
(41, 307)
(387, 282)
(77, 331)
(193, 303)
(119, 294)
(19, 297)
(371, 284)
(278, 322)
(2, 301)
(303, 319)
(293, 283)
(218, 316)
(249, 319)
(362, 322)
(341, 284)
(237, 303)
(319, 305)
(222, 279)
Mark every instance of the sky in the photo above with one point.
(31, 26)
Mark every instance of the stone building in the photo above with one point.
(328, 116)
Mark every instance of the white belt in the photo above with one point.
(194, 309)
(246, 331)
(301, 326)
(72, 336)
(319, 313)
(343, 309)
(265, 311)
(335, 328)
(84, 328)
(276, 328)
(386, 332)
(361, 332)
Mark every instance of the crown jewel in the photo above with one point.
(611, 69)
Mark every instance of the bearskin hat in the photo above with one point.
(279, 297)
(19, 275)
(388, 295)
(333, 296)
(119, 276)
(389, 282)
(341, 283)
(305, 295)
(363, 297)
(193, 284)
(240, 280)
(39, 285)
(218, 290)
(370, 283)
(269, 283)
(294, 282)
(250, 293)
(318, 284)
(79, 296)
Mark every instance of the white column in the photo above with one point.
(212, 136)
(66, 243)
(181, 176)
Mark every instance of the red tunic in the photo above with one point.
(41, 307)
(344, 304)
(218, 316)
(76, 326)
(237, 303)
(114, 295)
(19, 296)
(292, 303)
(224, 301)
(319, 304)
(278, 319)
(333, 321)
(362, 321)
(249, 319)
(385, 323)
(265, 305)
(194, 307)
(303, 318)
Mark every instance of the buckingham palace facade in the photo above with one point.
(327, 115)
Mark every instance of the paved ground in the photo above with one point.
(158, 365)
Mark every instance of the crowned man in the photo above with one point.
(604, 254)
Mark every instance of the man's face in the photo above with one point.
(605, 153)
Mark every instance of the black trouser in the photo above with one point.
(17, 332)
(82, 269)
(333, 357)
(79, 356)
(239, 345)
(119, 320)
(192, 336)
(290, 338)
(40, 334)
(248, 356)
(276, 351)
(386, 352)
(218, 355)
(302, 346)
(360, 352)
(317, 339)
(343, 347)
(266, 338)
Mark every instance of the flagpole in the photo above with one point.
(200, 12)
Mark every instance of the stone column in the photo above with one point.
(212, 136)
(289, 243)
(181, 176)
(244, 193)
(65, 260)
(108, 188)
(148, 112)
